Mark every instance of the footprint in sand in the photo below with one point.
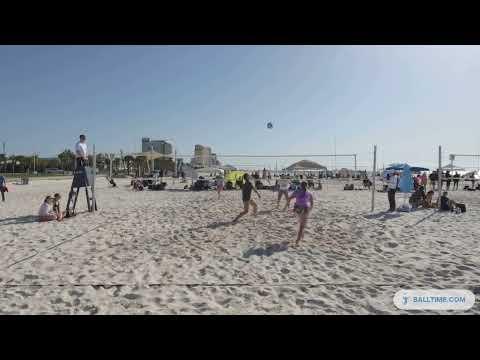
(391, 244)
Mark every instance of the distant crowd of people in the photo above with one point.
(423, 198)
(447, 179)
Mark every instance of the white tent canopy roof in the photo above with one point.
(452, 167)
(152, 155)
(209, 170)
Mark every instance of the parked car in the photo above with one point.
(54, 171)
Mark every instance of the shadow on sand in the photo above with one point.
(218, 224)
(19, 220)
(383, 216)
(268, 251)
(425, 218)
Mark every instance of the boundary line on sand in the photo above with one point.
(53, 246)
(107, 286)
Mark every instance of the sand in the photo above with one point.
(176, 252)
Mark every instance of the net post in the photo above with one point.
(374, 175)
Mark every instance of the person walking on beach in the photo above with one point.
(303, 206)
(392, 189)
(283, 185)
(3, 187)
(456, 179)
(247, 198)
(81, 152)
(220, 184)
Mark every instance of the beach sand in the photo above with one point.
(176, 252)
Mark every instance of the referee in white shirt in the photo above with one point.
(81, 152)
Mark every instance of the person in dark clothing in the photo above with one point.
(3, 187)
(393, 181)
(247, 189)
(433, 179)
(446, 204)
(418, 197)
(111, 182)
(456, 179)
(448, 178)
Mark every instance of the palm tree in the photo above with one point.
(101, 161)
(3, 163)
(129, 162)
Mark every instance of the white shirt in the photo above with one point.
(393, 182)
(283, 184)
(81, 148)
(44, 209)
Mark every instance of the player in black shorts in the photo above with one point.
(247, 198)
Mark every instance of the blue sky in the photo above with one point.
(405, 99)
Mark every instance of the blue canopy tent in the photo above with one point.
(401, 167)
(406, 186)
(406, 182)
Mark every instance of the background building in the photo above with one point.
(160, 146)
(203, 157)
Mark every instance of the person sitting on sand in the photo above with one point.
(247, 198)
(418, 197)
(56, 206)
(427, 203)
(137, 185)
(111, 181)
(446, 204)
(45, 213)
(303, 206)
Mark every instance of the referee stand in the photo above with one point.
(83, 177)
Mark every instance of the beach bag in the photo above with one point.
(462, 207)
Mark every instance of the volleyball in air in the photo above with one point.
(269, 125)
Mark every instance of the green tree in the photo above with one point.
(67, 160)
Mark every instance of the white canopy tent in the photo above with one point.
(210, 170)
(152, 156)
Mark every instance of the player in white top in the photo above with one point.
(81, 152)
(283, 185)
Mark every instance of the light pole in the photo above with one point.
(34, 156)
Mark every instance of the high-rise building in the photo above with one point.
(160, 146)
(203, 157)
